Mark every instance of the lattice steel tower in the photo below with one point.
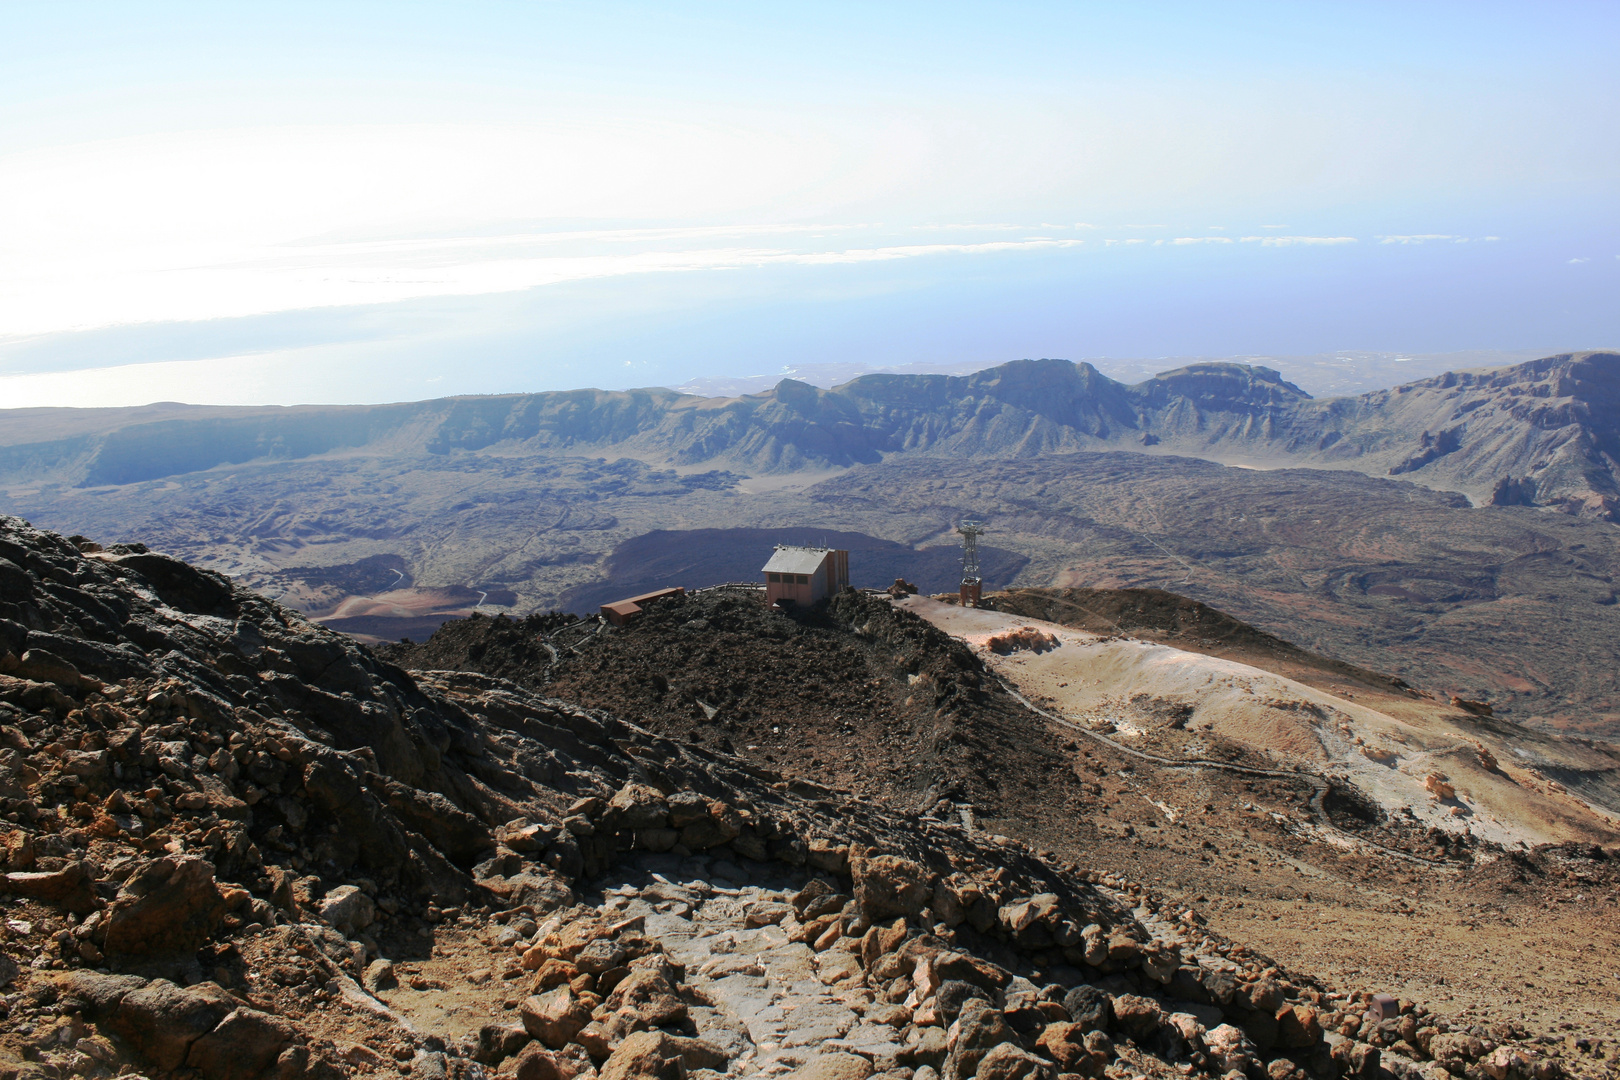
(971, 530)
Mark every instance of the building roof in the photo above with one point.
(795, 560)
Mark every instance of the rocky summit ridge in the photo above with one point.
(237, 845)
(1539, 433)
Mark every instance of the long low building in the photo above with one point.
(623, 611)
(805, 575)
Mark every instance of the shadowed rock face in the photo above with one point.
(1548, 426)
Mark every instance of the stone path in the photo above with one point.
(776, 1004)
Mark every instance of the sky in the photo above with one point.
(351, 202)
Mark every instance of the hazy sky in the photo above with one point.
(331, 201)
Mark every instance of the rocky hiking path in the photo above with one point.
(868, 695)
(240, 847)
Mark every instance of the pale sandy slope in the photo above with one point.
(1137, 686)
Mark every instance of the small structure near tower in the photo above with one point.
(804, 575)
(623, 612)
(972, 583)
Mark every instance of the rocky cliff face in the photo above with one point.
(1544, 431)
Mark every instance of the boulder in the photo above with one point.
(927, 1049)
(887, 886)
(1094, 945)
(767, 914)
(347, 909)
(1219, 985)
(533, 1062)
(497, 1042)
(1159, 962)
(243, 1045)
(169, 905)
(648, 996)
(644, 1054)
(1138, 1017)
(1455, 1051)
(555, 1017)
(1011, 1062)
(70, 887)
(1124, 951)
(685, 807)
(1019, 918)
(87, 764)
(161, 1020)
(42, 666)
(827, 855)
(599, 956)
(980, 1029)
(947, 905)
(1507, 1063)
(379, 975)
(637, 806)
(814, 889)
(834, 1066)
(1264, 995)
(1298, 1027)
(953, 994)
(1230, 1048)
(722, 824)
(1064, 1043)
(955, 965)
(553, 972)
(1090, 1008)
(99, 993)
(699, 1053)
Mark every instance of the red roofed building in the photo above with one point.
(622, 611)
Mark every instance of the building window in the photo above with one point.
(801, 579)
(773, 578)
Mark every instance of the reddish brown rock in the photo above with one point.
(1064, 1043)
(887, 886)
(648, 996)
(554, 1018)
(242, 1046)
(650, 1054)
(1136, 1016)
(533, 1062)
(1298, 1027)
(170, 905)
(161, 1020)
(1011, 1062)
(69, 887)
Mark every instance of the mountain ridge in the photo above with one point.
(1537, 433)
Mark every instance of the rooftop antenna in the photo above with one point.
(971, 529)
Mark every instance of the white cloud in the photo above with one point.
(1290, 241)
(339, 275)
(1423, 238)
(212, 224)
(1572, 262)
(1202, 240)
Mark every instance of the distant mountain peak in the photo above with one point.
(1550, 427)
